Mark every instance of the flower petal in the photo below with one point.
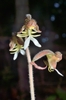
(12, 52)
(14, 49)
(58, 72)
(15, 55)
(22, 34)
(27, 42)
(22, 52)
(41, 54)
(38, 67)
(35, 42)
(36, 35)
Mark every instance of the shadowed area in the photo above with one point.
(51, 19)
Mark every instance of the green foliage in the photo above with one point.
(8, 78)
(51, 98)
(61, 93)
(7, 74)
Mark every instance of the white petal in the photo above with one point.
(15, 56)
(35, 42)
(26, 44)
(22, 52)
(58, 72)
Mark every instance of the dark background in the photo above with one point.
(51, 18)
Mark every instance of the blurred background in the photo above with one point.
(51, 18)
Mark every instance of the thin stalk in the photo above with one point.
(30, 69)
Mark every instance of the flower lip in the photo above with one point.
(38, 67)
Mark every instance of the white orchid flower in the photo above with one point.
(16, 48)
(31, 38)
(16, 53)
(29, 30)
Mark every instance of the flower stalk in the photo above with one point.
(30, 69)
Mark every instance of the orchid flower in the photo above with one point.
(53, 59)
(29, 30)
(16, 47)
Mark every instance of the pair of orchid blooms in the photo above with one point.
(28, 33)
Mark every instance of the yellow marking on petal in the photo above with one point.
(35, 35)
(32, 32)
(22, 35)
(16, 46)
(12, 52)
(50, 70)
